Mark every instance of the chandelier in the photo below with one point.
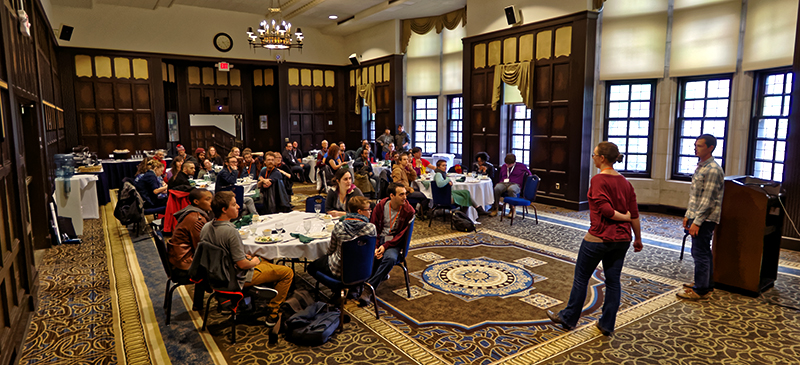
(274, 33)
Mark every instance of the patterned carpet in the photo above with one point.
(74, 322)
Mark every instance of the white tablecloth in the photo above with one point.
(377, 169)
(292, 223)
(76, 198)
(482, 191)
(249, 188)
(312, 162)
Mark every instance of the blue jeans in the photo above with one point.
(612, 254)
(382, 267)
(703, 260)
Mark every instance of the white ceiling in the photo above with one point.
(310, 13)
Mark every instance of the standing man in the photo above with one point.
(401, 139)
(382, 143)
(702, 216)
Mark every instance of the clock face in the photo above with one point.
(223, 42)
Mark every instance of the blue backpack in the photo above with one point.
(312, 326)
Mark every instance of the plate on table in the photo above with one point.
(267, 240)
(319, 235)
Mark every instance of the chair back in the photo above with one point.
(530, 188)
(357, 259)
(237, 190)
(176, 201)
(312, 200)
(408, 242)
(441, 196)
(158, 238)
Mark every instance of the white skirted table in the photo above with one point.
(292, 222)
(482, 191)
(76, 198)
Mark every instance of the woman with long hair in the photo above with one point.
(150, 186)
(336, 203)
(607, 241)
(177, 165)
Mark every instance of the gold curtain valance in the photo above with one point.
(424, 25)
(366, 91)
(518, 74)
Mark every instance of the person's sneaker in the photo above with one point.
(604, 332)
(555, 318)
(689, 294)
(363, 302)
(493, 213)
(272, 320)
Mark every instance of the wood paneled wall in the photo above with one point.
(791, 173)
(311, 100)
(387, 75)
(563, 56)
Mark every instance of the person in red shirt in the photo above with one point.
(608, 240)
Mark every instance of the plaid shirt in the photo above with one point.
(705, 196)
(349, 228)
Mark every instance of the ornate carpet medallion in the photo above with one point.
(476, 278)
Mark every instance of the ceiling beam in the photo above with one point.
(304, 8)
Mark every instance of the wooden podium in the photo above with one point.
(747, 240)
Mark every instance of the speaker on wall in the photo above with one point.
(65, 34)
(354, 59)
(511, 15)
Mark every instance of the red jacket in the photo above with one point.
(405, 217)
(177, 201)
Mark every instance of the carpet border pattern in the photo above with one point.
(136, 332)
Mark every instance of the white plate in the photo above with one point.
(319, 235)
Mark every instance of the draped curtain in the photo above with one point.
(366, 91)
(518, 74)
(424, 25)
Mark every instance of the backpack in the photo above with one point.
(130, 207)
(461, 222)
(313, 326)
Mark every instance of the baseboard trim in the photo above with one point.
(790, 243)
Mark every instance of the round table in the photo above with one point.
(377, 169)
(482, 191)
(293, 248)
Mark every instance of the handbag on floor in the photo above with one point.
(461, 222)
(314, 325)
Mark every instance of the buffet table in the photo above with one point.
(76, 198)
(292, 222)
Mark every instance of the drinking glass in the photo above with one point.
(279, 228)
(307, 226)
(318, 208)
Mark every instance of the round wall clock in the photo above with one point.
(223, 42)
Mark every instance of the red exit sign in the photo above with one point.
(224, 66)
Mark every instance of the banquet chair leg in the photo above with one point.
(341, 310)
(208, 309)
(374, 299)
(408, 282)
(168, 300)
(535, 213)
(233, 334)
(166, 294)
(683, 246)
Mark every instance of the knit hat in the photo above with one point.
(199, 150)
(180, 148)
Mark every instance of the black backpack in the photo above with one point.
(461, 222)
(314, 325)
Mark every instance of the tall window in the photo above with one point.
(521, 133)
(770, 124)
(455, 123)
(369, 122)
(425, 116)
(629, 124)
(703, 109)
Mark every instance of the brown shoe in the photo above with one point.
(691, 286)
(493, 213)
(689, 294)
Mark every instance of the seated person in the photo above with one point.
(285, 171)
(227, 177)
(182, 153)
(250, 165)
(482, 165)
(251, 269)
(461, 197)
(160, 156)
(298, 169)
(403, 174)
(141, 168)
(207, 171)
(215, 158)
(186, 236)
(356, 224)
(512, 175)
(336, 202)
(296, 151)
(322, 152)
(419, 164)
(392, 217)
(365, 145)
(151, 188)
(365, 178)
(180, 181)
(177, 165)
(273, 192)
(343, 153)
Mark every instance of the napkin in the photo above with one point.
(302, 238)
(244, 221)
(425, 183)
(461, 179)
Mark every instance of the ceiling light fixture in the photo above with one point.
(333, 17)
(274, 33)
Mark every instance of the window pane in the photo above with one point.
(420, 114)
(637, 162)
(772, 105)
(695, 90)
(618, 92)
(778, 172)
(432, 103)
(640, 92)
(618, 110)
(719, 88)
(640, 110)
(617, 127)
(774, 84)
(621, 144)
(719, 150)
(780, 151)
(782, 127)
(766, 128)
(687, 146)
(637, 145)
(717, 108)
(639, 127)
(762, 170)
(787, 103)
(788, 83)
(687, 165)
(431, 125)
(420, 103)
(764, 150)
(431, 114)
(691, 128)
(715, 128)
(693, 108)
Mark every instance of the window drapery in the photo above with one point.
(518, 74)
(424, 25)
(366, 91)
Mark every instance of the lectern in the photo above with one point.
(748, 238)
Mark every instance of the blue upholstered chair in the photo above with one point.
(531, 184)
(238, 191)
(357, 260)
(401, 260)
(312, 200)
(442, 199)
